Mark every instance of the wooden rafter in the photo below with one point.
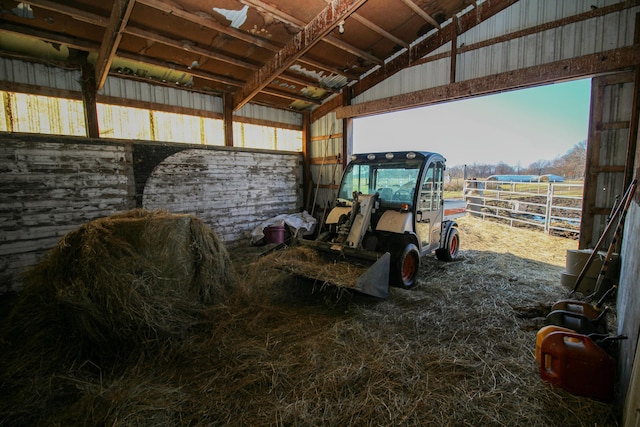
(209, 22)
(111, 39)
(319, 27)
(298, 24)
(154, 37)
(77, 14)
(421, 13)
(384, 33)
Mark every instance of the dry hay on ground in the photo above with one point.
(454, 351)
(307, 262)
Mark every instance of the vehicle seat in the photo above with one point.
(385, 193)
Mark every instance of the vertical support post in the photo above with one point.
(347, 130)
(227, 105)
(307, 179)
(549, 208)
(89, 92)
(454, 49)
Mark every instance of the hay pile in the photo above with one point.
(116, 289)
(454, 351)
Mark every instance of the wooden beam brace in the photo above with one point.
(192, 71)
(315, 30)
(77, 14)
(384, 33)
(93, 19)
(305, 82)
(211, 23)
(50, 37)
(298, 24)
(583, 66)
(111, 39)
(290, 95)
(352, 49)
(330, 69)
(154, 37)
(327, 107)
(421, 13)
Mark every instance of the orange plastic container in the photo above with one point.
(580, 307)
(542, 334)
(576, 364)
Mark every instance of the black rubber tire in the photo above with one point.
(405, 267)
(451, 248)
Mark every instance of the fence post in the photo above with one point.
(547, 216)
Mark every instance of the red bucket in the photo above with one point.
(274, 234)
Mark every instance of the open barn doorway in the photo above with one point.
(523, 147)
(515, 131)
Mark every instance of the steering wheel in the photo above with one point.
(404, 195)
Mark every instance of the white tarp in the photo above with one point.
(299, 223)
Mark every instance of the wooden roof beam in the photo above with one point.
(211, 23)
(381, 31)
(91, 18)
(154, 37)
(289, 95)
(111, 39)
(77, 14)
(424, 15)
(313, 32)
(298, 24)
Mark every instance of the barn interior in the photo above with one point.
(307, 70)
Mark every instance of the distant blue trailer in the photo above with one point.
(526, 178)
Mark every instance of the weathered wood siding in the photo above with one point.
(232, 191)
(50, 185)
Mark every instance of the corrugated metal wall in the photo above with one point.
(261, 112)
(326, 157)
(32, 74)
(145, 92)
(594, 35)
(39, 75)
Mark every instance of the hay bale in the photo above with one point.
(125, 281)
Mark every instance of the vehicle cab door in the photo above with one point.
(430, 206)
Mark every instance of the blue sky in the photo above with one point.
(516, 127)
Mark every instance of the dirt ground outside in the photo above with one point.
(456, 350)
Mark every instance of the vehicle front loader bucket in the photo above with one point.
(375, 280)
(360, 271)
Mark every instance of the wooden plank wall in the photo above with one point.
(50, 185)
(230, 190)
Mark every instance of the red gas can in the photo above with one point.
(576, 364)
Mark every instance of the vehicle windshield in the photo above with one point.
(394, 181)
